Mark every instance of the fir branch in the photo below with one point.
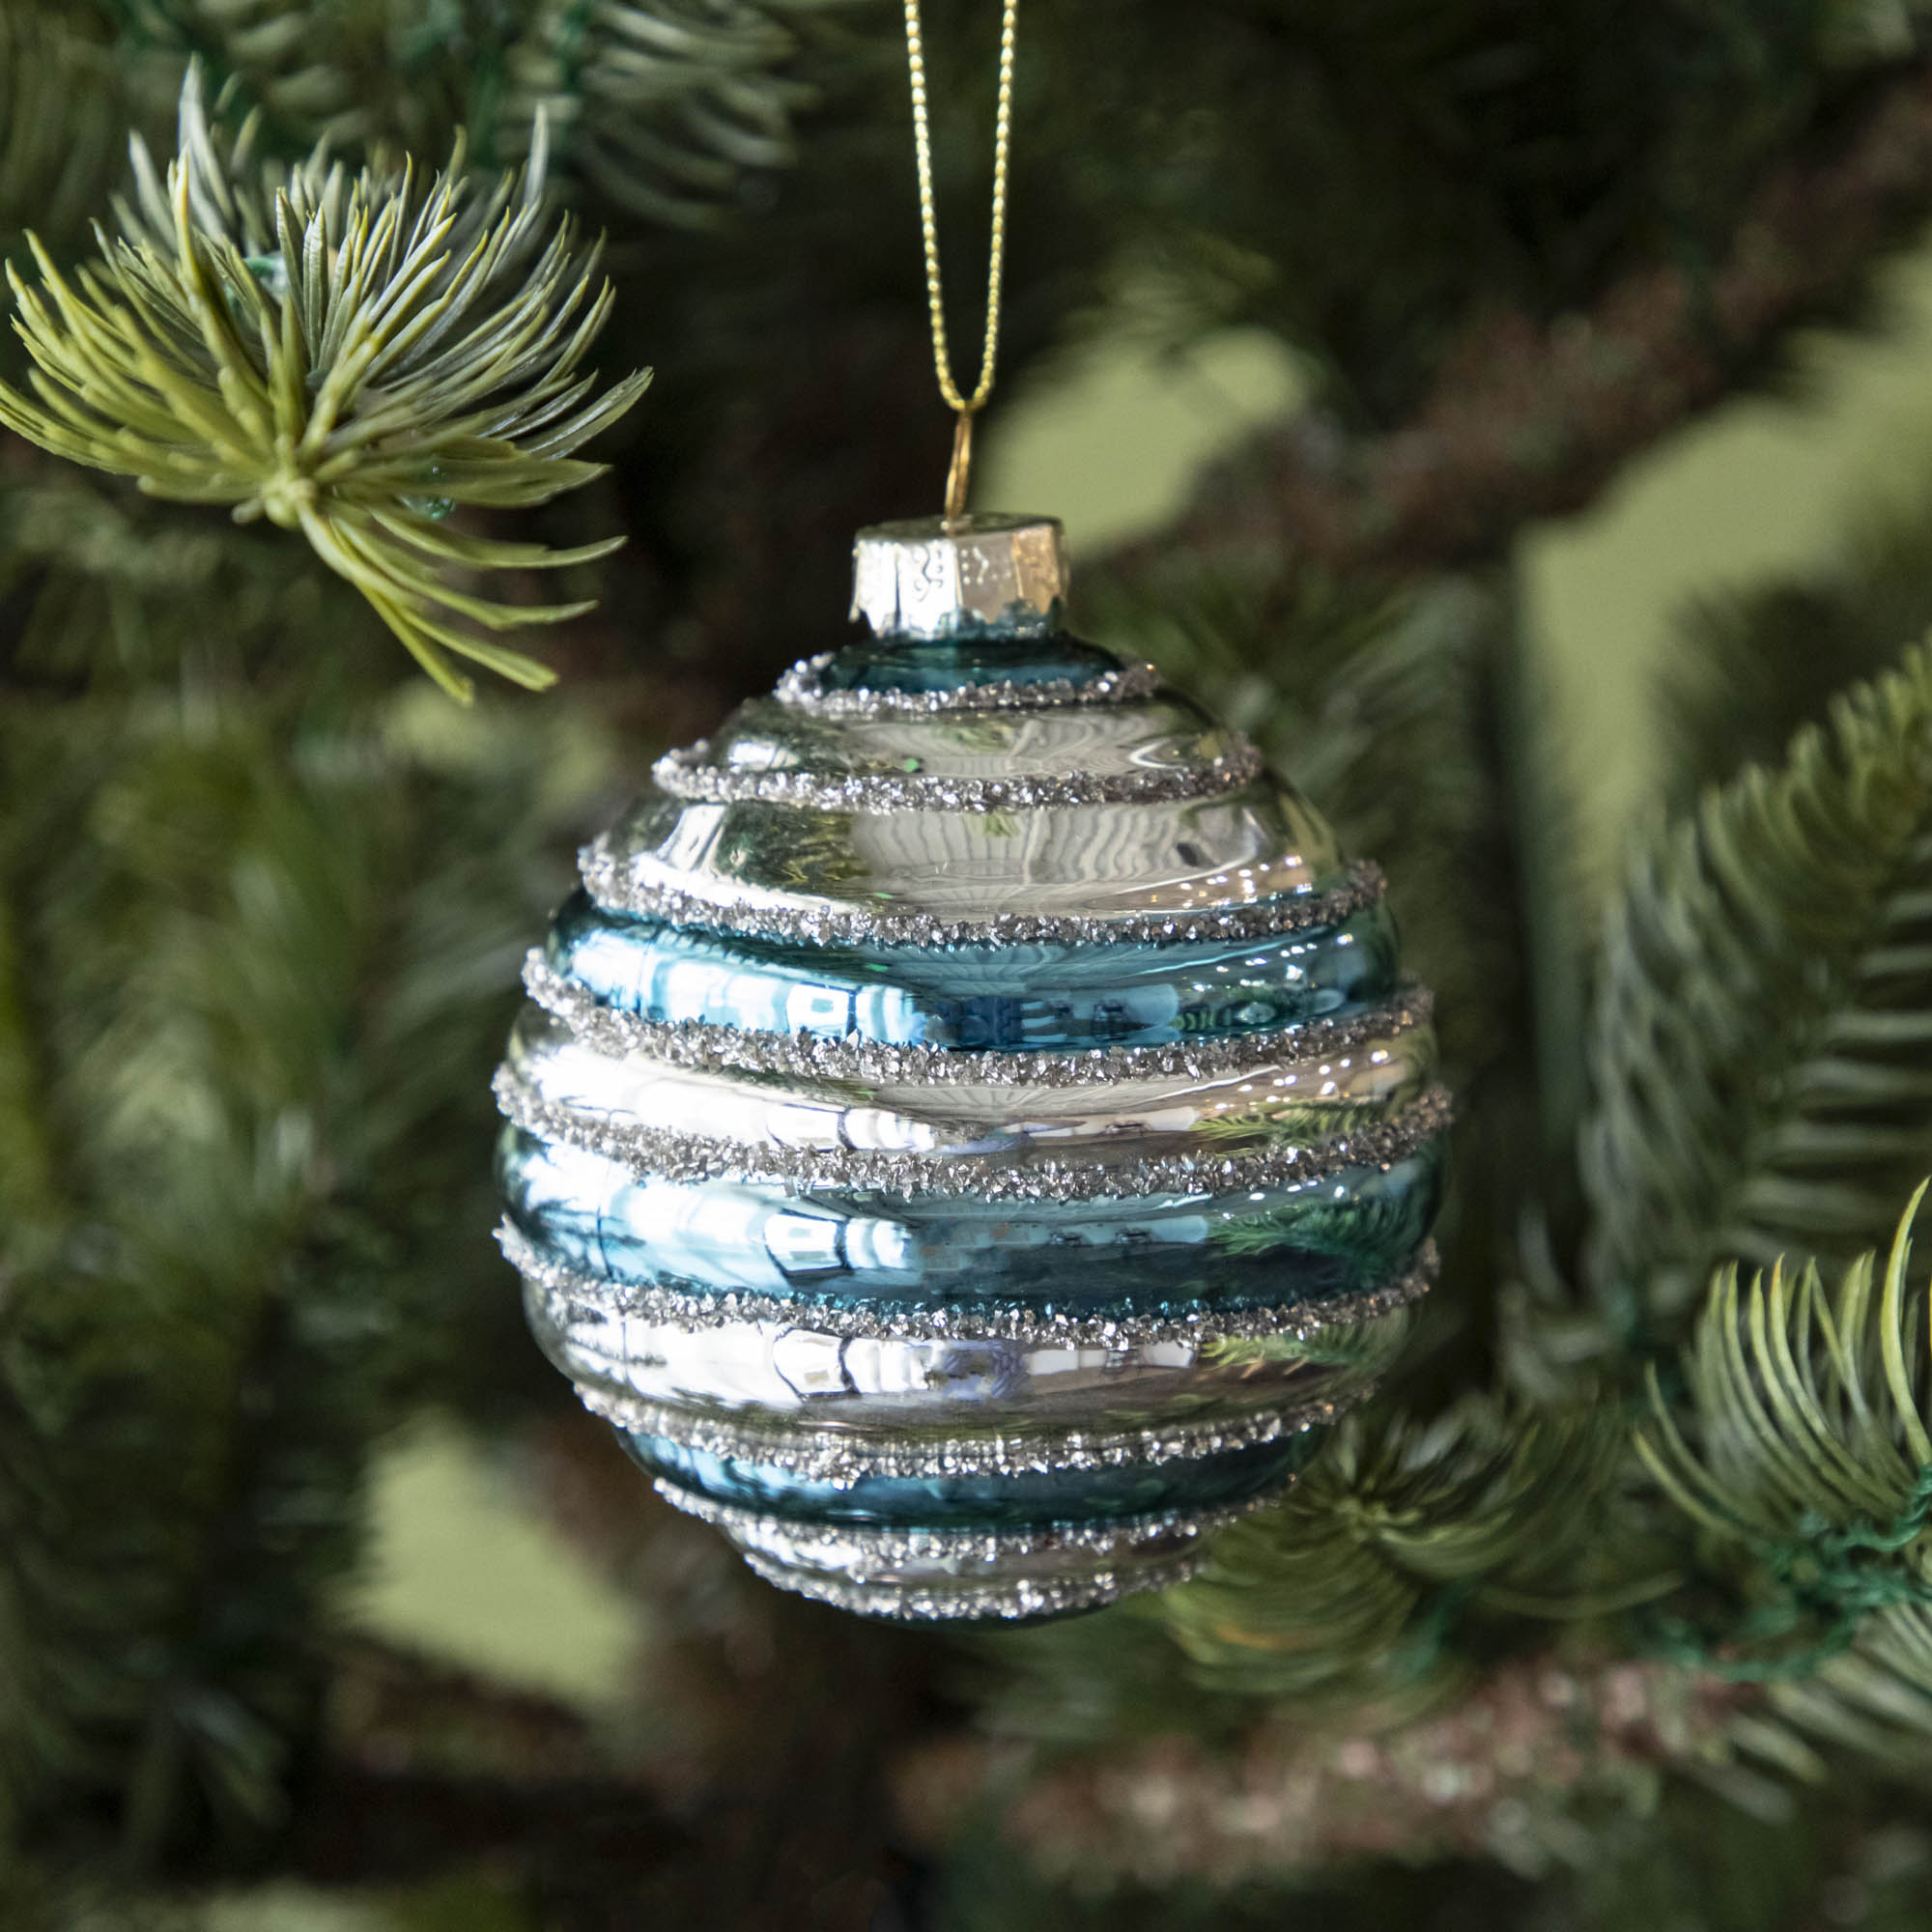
(1532, 417)
(396, 73)
(1808, 1414)
(107, 587)
(661, 111)
(1763, 1030)
(269, 969)
(1348, 1588)
(203, 972)
(1505, 1774)
(55, 167)
(351, 358)
(1872, 1703)
(1803, 1465)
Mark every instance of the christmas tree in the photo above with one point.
(327, 429)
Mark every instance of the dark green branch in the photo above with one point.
(1531, 419)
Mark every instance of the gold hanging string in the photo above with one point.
(966, 407)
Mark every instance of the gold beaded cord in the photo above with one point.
(965, 406)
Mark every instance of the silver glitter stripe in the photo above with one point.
(683, 774)
(699, 1046)
(834, 1455)
(887, 1546)
(980, 1321)
(803, 688)
(663, 1154)
(955, 1602)
(611, 883)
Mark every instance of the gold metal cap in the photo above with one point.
(927, 578)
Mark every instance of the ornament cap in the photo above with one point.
(932, 577)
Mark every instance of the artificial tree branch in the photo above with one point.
(1499, 1774)
(1533, 417)
(350, 358)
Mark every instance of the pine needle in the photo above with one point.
(1763, 1032)
(347, 356)
(1803, 1463)
(661, 110)
(1809, 1407)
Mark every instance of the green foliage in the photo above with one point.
(1444, 159)
(1803, 1469)
(1448, 161)
(988, 1890)
(255, 920)
(1808, 1407)
(56, 170)
(110, 588)
(353, 358)
(1812, 1462)
(1363, 1597)
(667, 113)
(1764, 1012)
(1868, 1707)
(363, 75)
(663, 114)
(1350, 1589)
(1704, 1862)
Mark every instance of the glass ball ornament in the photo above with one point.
(970, 1131)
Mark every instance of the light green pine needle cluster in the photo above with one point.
(1803, 1463)
(352, 355)
(1810, 1405)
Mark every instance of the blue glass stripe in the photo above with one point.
(1006, 998)
(975, 655)
(1348, 1233)
(1026, 1499)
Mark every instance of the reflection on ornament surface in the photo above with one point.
(970, 1131)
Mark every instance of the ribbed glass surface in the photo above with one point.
(794, 1375)
(1005, 998)
(1345, 1234)
(1031, 1499)
(755, 858)
(952, 1129)
(1160, 734)
(951, 664)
